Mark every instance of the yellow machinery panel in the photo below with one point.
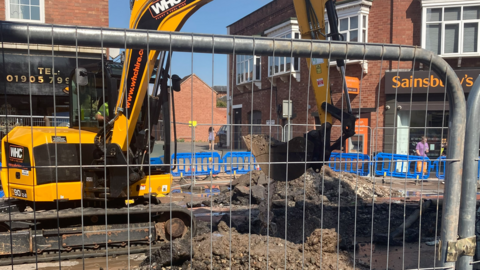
(319, 67)
(47, 193)
(19, 164)
(159, 184)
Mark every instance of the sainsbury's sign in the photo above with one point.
(423, 81)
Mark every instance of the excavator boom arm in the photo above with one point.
(162, 15)
(170, 15)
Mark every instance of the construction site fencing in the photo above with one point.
(318, 219)
(468, 233)
(188, 164)
(402, 166)
(33, 120)
(8, 122)
(225, 134)
(239, 162)
(350, 162)
(440, 164)
(207, 163)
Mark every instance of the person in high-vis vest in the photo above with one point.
(422, 150)
(102, 113)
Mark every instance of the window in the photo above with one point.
(451, 30)
(84, 99)
(257, 121)
(248, 68)
(285, 66)
(352, 25)
(25, 10)
(353, 28)
(281, 65)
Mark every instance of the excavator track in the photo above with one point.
(89, 211)
(76, 254)
(52, 235)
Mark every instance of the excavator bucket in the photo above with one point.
(273, 156)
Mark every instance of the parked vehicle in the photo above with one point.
(221, 137)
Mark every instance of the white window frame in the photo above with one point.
(360, 8)
(292, 60)
(281, 31)
(257, 60)
(442, 4)
(362, 37)
(42, 13)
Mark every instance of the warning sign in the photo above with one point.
(320, 82)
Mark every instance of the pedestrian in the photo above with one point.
(211, 138)
(444, 149)
(422, 150)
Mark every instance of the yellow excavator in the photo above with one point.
(82, 187)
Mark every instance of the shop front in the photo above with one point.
(34, 84)
(416, 106)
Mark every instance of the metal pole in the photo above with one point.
(198, 43)
(466, 226)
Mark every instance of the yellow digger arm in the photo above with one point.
(312, 26)
(170, 15)
(163, 15)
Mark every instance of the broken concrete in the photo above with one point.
(258, 194)
(226, 249)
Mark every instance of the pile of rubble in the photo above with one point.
(326, 186)
(228, 249)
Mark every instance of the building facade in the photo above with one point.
(392, 117)
(33, 77)
(198, 103)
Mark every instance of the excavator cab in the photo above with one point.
(92, 89)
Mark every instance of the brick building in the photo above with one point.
(44, 68)
(449, 28)
(202, 107)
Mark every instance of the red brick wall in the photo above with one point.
(204, 99)
(263, 19)
(2, 10)
(79, 12)
(266, 17)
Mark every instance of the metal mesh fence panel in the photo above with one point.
(179, 184)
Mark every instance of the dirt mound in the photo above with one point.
(245, 190)
(222, 250)
(349, 187)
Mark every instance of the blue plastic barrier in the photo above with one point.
(350, 162)
(156, 160)
(206, 163)
(238, 162)
(439, 165)
(183, 161)
(402, 166)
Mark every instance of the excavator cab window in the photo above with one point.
(86, 98)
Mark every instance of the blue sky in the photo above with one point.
(213, 18)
